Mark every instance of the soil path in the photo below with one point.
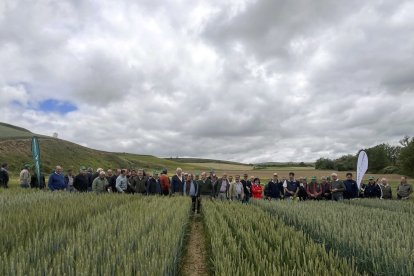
(195, 259)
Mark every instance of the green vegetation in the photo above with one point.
(104, 235)
(380, 239)
(202, 160)
(245, 239)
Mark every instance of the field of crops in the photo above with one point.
(45, 233)
(88, 234)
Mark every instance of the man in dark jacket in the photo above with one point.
(291, 187)
(372, 190)
(326, 188)
(4, 176)
(34, 182)
(111, 177)
(247, 187)
(274, 188)
(351, 187)
(81, 181)
(153, 186)
(177, 182)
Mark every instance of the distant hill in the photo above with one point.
(202, 160)
(15, 149)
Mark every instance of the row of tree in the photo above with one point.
(383, 158)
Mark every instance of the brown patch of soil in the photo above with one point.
(195, 259)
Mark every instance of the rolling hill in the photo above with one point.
(15, 149)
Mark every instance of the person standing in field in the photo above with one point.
(69, 179)
(191, 188)
(372, 190)
(404, 190)
(214, 184)
(351, 187)
(152, 185)
(337, 188)
(237, 190)
(89, 175)
(165, 182)
(274, 188)
(177, 182)
(112, 179)
(232, 188)
(100, 183)
(205, 189)
(247, 186)
(24, 178)
(34, 183)
(81, 181)
(314, 189)
(257, 189)
(122, 185)
(386, 192)
(4, 176)
(326, 189)
(56, 180)
(302, 188)
(291, 187)
(223, 186)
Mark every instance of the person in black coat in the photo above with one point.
(4, 176)
(372, 190)
(81, 182)
(351, 187)
(274, 188)
(34, 183)
(247, 187)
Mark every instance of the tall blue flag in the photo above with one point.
(36, 158)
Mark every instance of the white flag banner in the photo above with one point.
(362, 167)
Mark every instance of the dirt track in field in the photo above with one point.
(195, 259)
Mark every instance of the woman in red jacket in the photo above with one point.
(257, 189)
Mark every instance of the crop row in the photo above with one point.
(246, 240)
(380, 241)
(138, 236)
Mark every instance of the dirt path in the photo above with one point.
(195, 259)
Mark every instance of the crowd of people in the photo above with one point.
(237, 188)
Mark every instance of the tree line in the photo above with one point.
(382, 158)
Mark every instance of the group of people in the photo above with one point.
(226, 187)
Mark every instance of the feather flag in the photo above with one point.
(362, 167)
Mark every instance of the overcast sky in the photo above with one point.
(237, 80)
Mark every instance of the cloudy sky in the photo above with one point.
(237, 80)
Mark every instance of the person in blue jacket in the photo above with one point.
(351, 187)
(57, 180)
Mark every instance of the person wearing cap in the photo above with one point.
(351, 187)
(257, 189)
(4, 176)
(56, 180)
(337, 188)
(314, 189)
(81, 181)
(404, 190)
(386, 192)
(100, 183)
(274, 188)
(247, 187)
(372, 190)
(165, 182)
(326, 188)
(291, 187)
(24, 178)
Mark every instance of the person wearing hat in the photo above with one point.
(100, 183)
(372, 190)
(81, 181)
(314, 189)
(56, 180)
(274, 188)
(351, 187)
(24, 177)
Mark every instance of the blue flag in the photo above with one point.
(36, 158)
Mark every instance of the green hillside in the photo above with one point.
(15, 149)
